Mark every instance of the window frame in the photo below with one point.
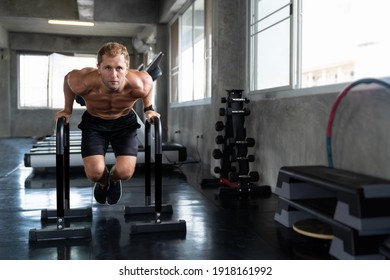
(50, 105)
(177, 69)
(296, 66)
(292, 48)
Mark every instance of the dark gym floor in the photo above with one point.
(235, 228)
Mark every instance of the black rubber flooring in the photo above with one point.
(217, 228)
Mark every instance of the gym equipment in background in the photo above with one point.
(234, 170)
(42, 154)
(61, 231)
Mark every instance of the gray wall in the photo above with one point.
(5, 128)
(292, 131)
(138, 11)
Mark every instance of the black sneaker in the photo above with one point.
(100, 193)
(114, 192)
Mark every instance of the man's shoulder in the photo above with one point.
(82, 80)
(135, 76)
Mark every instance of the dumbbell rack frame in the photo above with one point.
(235, 148)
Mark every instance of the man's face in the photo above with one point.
(113, 70)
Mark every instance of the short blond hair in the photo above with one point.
(113, 49)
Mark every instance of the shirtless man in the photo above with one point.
(109, 92)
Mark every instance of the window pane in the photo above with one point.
(174, 71)
(270, 44)
(273, 57)
(267, 7)
(342, 41)
(199, 51)
(33, 78)
(43, 87)
(186, 81)
(186, 78)
(190, 65)
(60, 66)
(208, 44)
(270, 12)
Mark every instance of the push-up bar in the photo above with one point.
(157, 225)
(61, 231)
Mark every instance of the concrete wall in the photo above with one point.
(3, 38)
(39, 9)
(138, 11)
(292, 131)
(5, 121)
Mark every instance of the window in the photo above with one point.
(33, 84)
(190, 64)
(270, 44)
(317, 42)
(41, 78)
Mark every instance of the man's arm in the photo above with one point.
(147, 98)
(148, 106)
(142, 88)
(69, 96)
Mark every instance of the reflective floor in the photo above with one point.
(217, 228)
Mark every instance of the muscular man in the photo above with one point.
(109, 92)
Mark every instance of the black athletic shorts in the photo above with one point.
(97, 134)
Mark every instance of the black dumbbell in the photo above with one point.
(250, 142)
(250, 158)
(217, 153)
(219, 139)
(219, 126)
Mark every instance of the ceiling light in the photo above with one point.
(70, 22)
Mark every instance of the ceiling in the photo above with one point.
(39, 25)
(32, 15)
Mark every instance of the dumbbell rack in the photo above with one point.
(235, 175)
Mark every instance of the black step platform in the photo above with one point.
(356, 205)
